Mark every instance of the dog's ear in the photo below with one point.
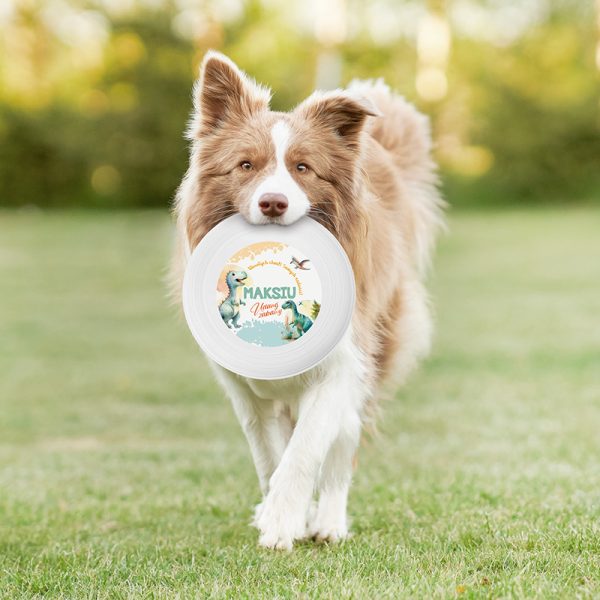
(223, 91)
(340, 111)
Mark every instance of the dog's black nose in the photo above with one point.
(273, 205)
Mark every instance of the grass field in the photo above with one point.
(123, 473)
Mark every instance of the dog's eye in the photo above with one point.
(246, 165)
(301, 168)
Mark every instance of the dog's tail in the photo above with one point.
(405, 133)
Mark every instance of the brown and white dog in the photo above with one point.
(357, 161)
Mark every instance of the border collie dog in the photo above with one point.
(357, 161)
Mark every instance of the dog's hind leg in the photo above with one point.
(259, 420)
(278, 431)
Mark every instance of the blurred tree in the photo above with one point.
(532, 120)
(95, 94)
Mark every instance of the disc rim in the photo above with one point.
(276, 362)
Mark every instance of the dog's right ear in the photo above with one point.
(223, 92)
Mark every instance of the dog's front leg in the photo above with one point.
(329, 523)
(258, 420)
(323, 410)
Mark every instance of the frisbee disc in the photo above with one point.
(268, 301)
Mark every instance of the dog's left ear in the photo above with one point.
(224, 92)
(340, 111)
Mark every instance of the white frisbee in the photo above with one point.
(268, 301)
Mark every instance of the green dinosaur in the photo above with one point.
(300, 323)
(230, 307)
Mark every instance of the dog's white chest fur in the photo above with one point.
(288, 390)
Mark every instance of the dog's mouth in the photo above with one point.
(266, 220)
(283, 220)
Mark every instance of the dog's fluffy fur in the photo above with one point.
(371, 181)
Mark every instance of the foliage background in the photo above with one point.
(123, 471)
(95, 94)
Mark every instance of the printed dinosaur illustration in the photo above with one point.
(230, 307)
(300, 323)
(310, 308)
(300, 264)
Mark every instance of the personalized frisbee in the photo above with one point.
(268, 301)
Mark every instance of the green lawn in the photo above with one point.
(123, 473)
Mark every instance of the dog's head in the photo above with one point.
(271, 167)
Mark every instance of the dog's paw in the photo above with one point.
(280, 523)
(328, 526)
(276, 541)
(328, 533)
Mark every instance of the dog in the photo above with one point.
(358, 161)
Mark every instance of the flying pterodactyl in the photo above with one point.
(300, 264)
